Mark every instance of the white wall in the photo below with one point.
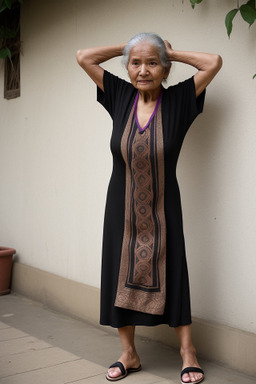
(55, 161)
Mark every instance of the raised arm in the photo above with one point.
(208, 65)
(91, 58)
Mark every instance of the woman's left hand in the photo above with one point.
(207, 65)
(169, 49)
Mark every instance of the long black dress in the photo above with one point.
(144, 270)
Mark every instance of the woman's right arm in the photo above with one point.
(91, 58)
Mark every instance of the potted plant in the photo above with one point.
(6, 255)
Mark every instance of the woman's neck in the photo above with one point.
(149, 96)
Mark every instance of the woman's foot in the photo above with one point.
(190, 360)
(129, 360)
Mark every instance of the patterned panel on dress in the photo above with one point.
(142, 275)
(144, 244)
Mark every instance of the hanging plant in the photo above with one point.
(246, 10)
(8, 42)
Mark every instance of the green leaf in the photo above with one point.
(194, 2)
(251, 3)
(254, 76)
(4, 52)
(2, 6)
(229, 20)
(8, 3)
(248, 13)
(7, 33)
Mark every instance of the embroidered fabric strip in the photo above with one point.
(142, 275)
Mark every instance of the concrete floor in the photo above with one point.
(38, 345)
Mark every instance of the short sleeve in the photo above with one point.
(184, 104)
(116, 91)
(192, 105)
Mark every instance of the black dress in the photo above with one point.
(144, 270)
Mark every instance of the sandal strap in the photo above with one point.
(119, 365)
(191, 369)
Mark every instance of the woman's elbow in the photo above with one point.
(217, 62)
(83, 57)
(79, 56)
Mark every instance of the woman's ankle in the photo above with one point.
(187, 350)
(130, 358)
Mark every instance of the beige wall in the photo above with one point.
(55, 161)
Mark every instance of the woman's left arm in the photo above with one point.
(208, 65)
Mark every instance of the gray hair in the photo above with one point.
(151, 38)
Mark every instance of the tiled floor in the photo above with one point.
(38, 346)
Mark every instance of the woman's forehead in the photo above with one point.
(144, 49)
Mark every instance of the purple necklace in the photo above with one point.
(153, 114)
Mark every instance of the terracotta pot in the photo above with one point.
(5, 269)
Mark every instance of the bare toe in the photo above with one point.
(114, 372)
(185, 378)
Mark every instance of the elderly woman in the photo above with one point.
(144, 270)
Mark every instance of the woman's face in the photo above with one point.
(145, 69)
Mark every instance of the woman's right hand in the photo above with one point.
(91, 58)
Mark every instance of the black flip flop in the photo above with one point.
(124, 372)
(188, 370)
